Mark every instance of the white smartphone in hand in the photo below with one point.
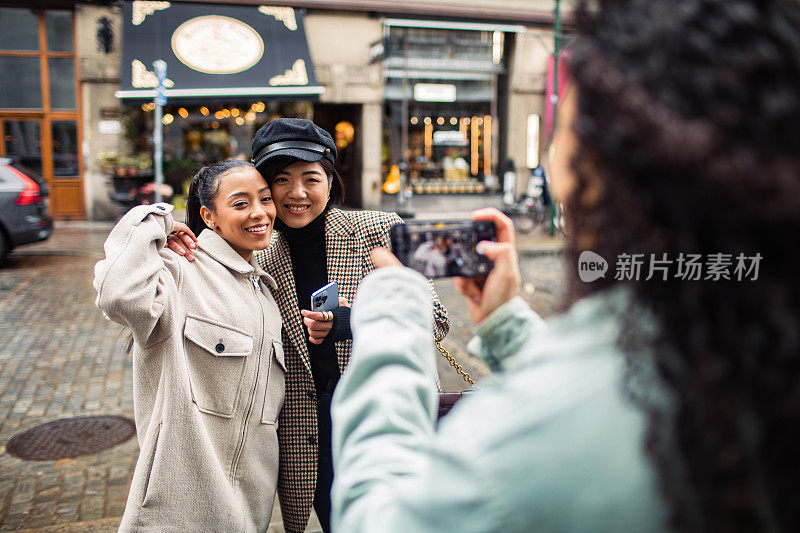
(325, 298)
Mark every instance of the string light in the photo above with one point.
(440, 121)
(474, 155)
(414, 120)
(428, 140)
(183, 113)
(453, 121)
(204, 111)
(427, 120)
(239, 121)
(487, 145)
(234, 112)
(167, 119)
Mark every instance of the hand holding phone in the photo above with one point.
(484, 295)
(443, 248)
(323, 299)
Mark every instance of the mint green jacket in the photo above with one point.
(550, 443)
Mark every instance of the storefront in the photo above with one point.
(442, 112)
(366, 76)
(230, 69)
(40, 101)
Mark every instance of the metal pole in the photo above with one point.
(158, 135)
(556, 56)
(401, 194)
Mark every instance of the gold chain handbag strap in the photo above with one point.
(460, 369)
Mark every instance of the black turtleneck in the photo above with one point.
(310, 269)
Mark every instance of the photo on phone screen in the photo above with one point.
(443, 248)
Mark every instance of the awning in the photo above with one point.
(216, 51)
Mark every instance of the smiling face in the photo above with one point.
(300, 191)
(244, 212)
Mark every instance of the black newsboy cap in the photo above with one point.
(296, 137)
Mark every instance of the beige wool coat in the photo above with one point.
(208, 370)
(349, 237)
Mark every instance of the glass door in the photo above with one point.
(22, 139)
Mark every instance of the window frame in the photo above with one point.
(43, 54)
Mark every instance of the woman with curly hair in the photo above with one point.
(667, 396)
(687, 115)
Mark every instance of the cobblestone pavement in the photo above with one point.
(59, 358)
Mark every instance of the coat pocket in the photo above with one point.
(276, 386)
(216, 355)
(150, 467)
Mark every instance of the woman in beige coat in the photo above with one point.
(208, 359)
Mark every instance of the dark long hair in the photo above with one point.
(688, 119)
(272, 167)
(203, 190)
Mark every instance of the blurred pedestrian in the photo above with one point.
(654, 402)
(207, 357)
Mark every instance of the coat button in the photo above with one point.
(219, 347)
(312, 440)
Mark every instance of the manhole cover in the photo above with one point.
(71, 437)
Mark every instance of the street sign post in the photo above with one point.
(554, 103)
(160, 100)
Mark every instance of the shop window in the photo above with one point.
(62, 82)
(21, 83)
(58, 26)
(65, 149)
(22, 139)
(19, 29)
(20, 59)
(39, 100)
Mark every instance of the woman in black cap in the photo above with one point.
(314, 243)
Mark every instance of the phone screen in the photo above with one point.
(443, 248)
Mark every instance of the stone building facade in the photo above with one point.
(350, 45)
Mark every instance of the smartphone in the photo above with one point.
(325, 298)
(443, 248)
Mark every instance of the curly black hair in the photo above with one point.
(688, 122)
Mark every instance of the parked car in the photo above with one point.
(24, 209)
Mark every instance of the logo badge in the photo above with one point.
(217, 45)
(591, 266)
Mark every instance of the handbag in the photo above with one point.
(448, 399)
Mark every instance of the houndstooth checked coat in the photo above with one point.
(349, 237)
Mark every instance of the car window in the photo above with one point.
(28, 172)
(7, 178)
(5, 175)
